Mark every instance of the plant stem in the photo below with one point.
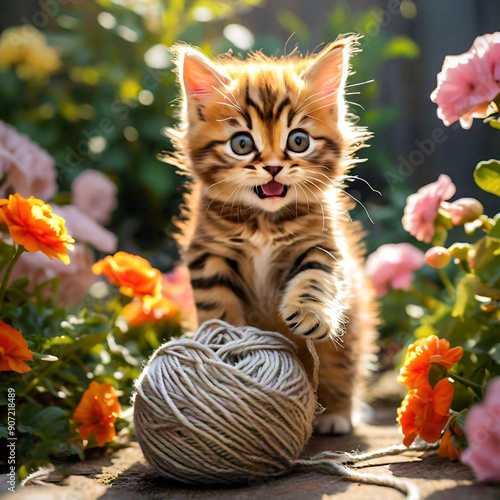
(17, 254)
(447, 283)
(478, 389)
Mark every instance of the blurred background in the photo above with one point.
(97, 91)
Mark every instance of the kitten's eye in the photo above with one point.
(298, 141)
(242, 144)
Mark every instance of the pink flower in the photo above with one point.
(25, 167)
(85, 229)
(393, 265)
(95, 195)
(464, 210)
(75, 278)
(469, 82)
(176, 287)
(482, 429)
(422, 207)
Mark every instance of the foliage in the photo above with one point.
(69, 352)
(100, 94)
(464, 310)
(107, 105)
(114, 94)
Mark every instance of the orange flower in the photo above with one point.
(425, 411)
(447, 449)
(97, 411)
(134, 275)
(421, 354)
(32, 225)
(13, 350)
(177, 288)
(150, 310)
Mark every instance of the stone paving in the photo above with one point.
(125, 475)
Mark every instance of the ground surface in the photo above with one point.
(125, 475)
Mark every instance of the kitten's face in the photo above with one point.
(265, 133)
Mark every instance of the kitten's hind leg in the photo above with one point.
(337, 379)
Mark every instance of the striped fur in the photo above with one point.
(294, 263)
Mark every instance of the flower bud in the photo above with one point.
(437, 257)
(465, 210)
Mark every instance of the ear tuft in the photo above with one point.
(198, 75)
(327, 73)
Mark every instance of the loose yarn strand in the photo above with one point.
(235, 405)
(329, 466)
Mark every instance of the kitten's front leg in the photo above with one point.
(217, 287)
(312, 301)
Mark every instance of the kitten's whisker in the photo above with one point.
(234, 199)
(357, 84)
(317, 119)
(235, 104)
(296, 201)
(226, 119)
(355, 104)
(326, 251)
(320, 204)
(230, 196)
(319, 173)
(307, 197)
(319, 166)
(357, 177)
(228, 89)
(320, 99)
(215, 183)
(317, 187)
(313, 95)
(322, 107)
(227, 104)
(357, 201)
(215, 197)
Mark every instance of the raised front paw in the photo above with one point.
(306, 322)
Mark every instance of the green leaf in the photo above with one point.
(460, 419)
(52, 423)
(6, 253)
(495, 230)
(485, 260)
(495, 353)
(400, 46)
(437, 372)
(487, 176)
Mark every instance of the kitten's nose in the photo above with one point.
(274, 171)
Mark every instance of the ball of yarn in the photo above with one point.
(230, 405)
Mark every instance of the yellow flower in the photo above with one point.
(32, 225)
(25, 48)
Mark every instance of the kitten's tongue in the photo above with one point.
(272, 188)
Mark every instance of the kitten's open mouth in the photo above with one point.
(271, 189)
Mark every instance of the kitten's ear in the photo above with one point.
(197, 74)
(327, 73)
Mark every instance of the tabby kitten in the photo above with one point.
(266, 232)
